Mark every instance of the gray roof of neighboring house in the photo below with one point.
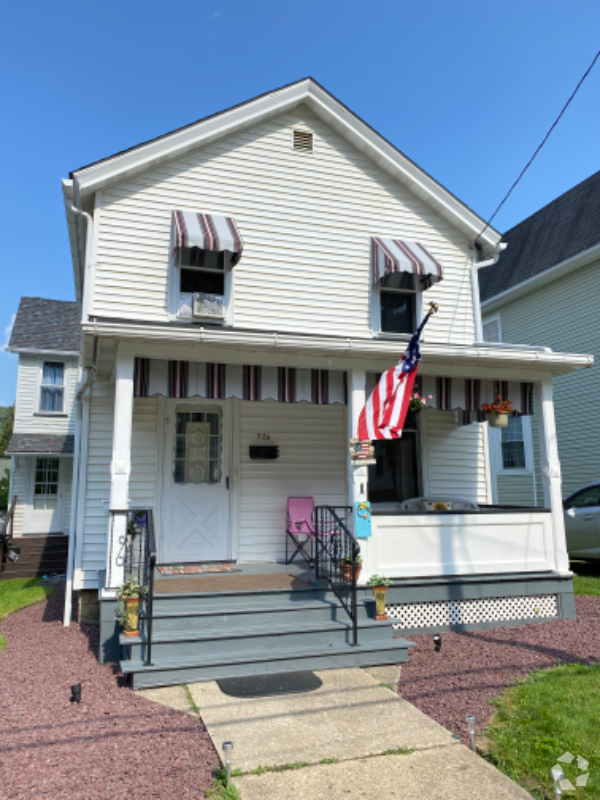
(565, 227)
(41, 443)
(43, 324)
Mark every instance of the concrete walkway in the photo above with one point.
(351, 739)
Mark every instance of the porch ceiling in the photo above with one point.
(251, 347)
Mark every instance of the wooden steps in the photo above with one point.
(40, 555)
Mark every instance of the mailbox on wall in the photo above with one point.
(264, 452)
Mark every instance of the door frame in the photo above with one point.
(56, 522)
(167, 407)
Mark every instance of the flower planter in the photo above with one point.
(347, 570)
(380, 593)
(497, 420)
(131, 616)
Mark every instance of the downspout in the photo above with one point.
(84, 384)
(475, 267)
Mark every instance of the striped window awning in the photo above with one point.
(466, 395)
(207, 232)
(390, 256)
(181, 379)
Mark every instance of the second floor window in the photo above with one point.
(397, 305)
(52, 386)
(204, 279)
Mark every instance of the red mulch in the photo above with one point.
(473, 668)
(115, 744)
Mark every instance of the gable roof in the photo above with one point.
(563, 229)
(47, 325)
(335, 114)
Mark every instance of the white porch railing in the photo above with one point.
(429, 545)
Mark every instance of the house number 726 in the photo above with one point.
(263, 437)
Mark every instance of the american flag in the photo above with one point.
(384, 414)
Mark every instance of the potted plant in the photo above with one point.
(418, 402)
(380, 587)
(130, 596)
(351, 565)
(498, 411)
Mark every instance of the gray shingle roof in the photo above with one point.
(562, 229)
(41, 443)
(43, 324)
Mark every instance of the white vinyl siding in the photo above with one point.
(454, 461)
(564, 315)
(306, 224)
(20, 488)
(312, 443)
(28, 391)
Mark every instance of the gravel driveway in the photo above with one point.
(473, 668)
(115, 744)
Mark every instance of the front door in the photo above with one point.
(195, 491)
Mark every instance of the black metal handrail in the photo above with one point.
(140, 563)
(336, 546)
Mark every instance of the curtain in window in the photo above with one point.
(52, 386)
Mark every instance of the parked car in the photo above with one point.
(582, 522)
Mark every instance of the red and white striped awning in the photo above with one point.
(208, 232)
(399, 255)
(183, 379)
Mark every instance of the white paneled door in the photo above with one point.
(196, 482)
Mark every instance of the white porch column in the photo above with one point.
(120, 467)
(550, 469)
(357, 476)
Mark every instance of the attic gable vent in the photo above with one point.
(303, 141)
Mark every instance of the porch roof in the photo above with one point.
(249, 346)
(40, 444)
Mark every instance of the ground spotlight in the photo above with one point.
(437, 641)
(227, 748)
(470, 720)
(76, 693)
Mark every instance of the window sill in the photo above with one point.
(49, 414)
(403, 337)
(519, 471)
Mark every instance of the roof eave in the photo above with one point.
(96, 176)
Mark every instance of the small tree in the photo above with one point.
(4, 486)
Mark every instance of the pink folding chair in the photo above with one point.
(300, 529)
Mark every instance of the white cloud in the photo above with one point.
(7, 333)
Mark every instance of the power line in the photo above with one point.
(545, 139)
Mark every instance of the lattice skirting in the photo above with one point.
(464, 612)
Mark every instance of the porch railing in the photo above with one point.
(336, 547)
(140, 562)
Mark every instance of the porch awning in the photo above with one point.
(398, 255)
(182, 379)
(208, 232)
(467, 395)
(40, 444)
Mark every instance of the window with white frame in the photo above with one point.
(491, 330)
(45, 494)
(52, 387)
(397, 303)
(204, 283)
(513, 445)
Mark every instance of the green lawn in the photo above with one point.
(540, 718)
(20, 593)
(588, 581)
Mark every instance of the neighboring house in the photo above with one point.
(242, 282)
(545, 291)
(45, 336)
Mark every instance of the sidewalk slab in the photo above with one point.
(442, 773)
(350, 716)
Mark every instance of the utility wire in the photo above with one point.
(556, 121)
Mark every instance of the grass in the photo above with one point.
(540, 718)
(220, 790)
(586, 584)
(190, 699)
(20, 593)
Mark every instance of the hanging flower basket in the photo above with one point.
(498, 412)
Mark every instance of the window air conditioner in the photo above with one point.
(209, 306)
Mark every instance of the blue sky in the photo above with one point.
(466, 89)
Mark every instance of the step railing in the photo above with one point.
(335, 547)
(7, 531)
(140, 563)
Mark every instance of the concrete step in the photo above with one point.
(172, 671)
(232, 618)
(265, 637)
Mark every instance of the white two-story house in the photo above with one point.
(242, 283)
(45, 336)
